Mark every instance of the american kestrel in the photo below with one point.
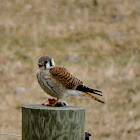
(59, 83)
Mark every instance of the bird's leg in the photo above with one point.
(51, 101)
(56, 101)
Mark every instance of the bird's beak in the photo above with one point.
(40, 64)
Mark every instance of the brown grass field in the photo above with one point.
(97, 41)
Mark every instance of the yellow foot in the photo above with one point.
(56, 101)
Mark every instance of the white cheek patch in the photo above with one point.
(53, 64)
(47, 66)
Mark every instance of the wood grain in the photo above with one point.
(53, 123)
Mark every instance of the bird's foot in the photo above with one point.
(54, 102)
(50, 100)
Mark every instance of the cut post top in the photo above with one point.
(39, 106)
(40, 122)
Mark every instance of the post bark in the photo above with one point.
(53, 123)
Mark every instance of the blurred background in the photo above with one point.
(98, 41)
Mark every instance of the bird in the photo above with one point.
(59, 83)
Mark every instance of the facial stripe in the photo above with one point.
(50, 63)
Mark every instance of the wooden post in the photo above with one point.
(53, 123)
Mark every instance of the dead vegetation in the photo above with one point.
(98, 41)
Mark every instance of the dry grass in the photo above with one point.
(97, 41)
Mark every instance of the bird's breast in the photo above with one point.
(49, 84)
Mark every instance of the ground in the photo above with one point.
(97, 41)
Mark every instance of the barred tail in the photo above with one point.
(93, 97)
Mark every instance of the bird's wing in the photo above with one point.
(63, 76)
(71, 82)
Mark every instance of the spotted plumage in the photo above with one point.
(59, 83)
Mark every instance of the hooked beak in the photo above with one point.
(40, 64)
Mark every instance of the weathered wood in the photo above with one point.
(53, 123)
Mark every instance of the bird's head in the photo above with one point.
(46, 62)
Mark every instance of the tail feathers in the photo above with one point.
(93, 97)
(87, 89)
